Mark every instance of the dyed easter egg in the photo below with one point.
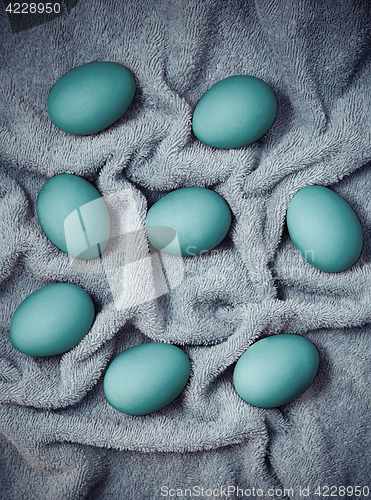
(275, 370)
(52, 320)
(324, 229)
(146, 378)
(234, 112)
(188, 221)
(74, 216)
(91, 97)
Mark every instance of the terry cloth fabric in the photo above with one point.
(60, 439)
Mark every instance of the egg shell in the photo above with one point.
(188, 221)
(74, 216)
(146, 378)
(91, 97)
(324, 229)
(234, 112)
(52, 320)
(275, 370)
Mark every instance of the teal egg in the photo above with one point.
(275, 370)
(234, 112)
(74, 216)
(188, 221)
(91, 97)
(324, 229)
(52, 320)
(146, 378)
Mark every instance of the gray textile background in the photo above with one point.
(59, 437)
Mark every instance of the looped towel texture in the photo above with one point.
(60, 439)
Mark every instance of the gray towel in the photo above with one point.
(60, 439)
